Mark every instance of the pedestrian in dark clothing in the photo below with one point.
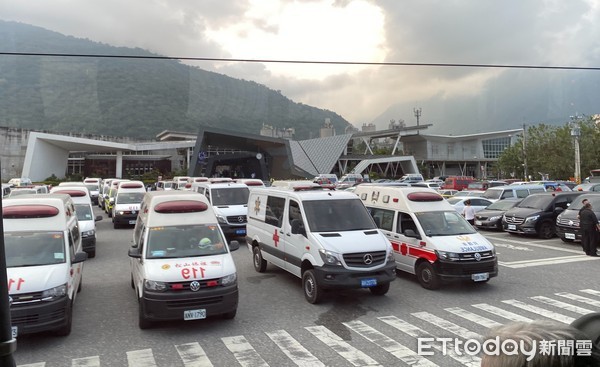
(588, 223)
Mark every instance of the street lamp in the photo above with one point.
(525, 153)
(575, 133)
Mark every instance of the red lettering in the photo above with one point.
(192, 272)
(19, 282)
(185, 273)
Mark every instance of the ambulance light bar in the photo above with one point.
(29, 211)
(180, 206)
(133, 185)
(71, 193)
(424, 196)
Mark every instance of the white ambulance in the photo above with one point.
(430, 239)
(85, 215)
(327, 238)
(181, 266)
(44, 261)
(128, 199)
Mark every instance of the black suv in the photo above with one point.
(567, 222)
(536, 214)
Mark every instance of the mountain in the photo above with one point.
(132, 97)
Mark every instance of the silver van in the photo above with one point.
(512, 191)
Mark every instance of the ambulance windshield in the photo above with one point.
(448, 223)
(230, 196)
(34, 248)
(185, 241)
(337, 215)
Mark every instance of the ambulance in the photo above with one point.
(324, 237)
(85, 215)
(181, 266)
(126, 206)
(430, 239)
(44, 262)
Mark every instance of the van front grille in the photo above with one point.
(365, 259)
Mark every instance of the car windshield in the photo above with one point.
(17, 192)
(185, 241)
(593, 199)
(84, 212)
(34, 248)
(447, 223)
(536, 202)
(337, 215)
(130, 197)
(91, 187)
(492, 194)
(230, 196)
(502, 205)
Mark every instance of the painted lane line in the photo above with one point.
(563, 305)
(590, 291)
(141, 358)
(539, 245)
(193, 355)
(548, 261)
(502, 313)
(293, 349)
(540, 311)
(348, 352)
(245, 354)
(578, 298)
(473, 317)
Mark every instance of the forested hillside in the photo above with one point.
(131, 97)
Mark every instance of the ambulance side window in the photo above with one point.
(295, 218)
(384, 218)
(71, 245)
(274, 211)
(405, 222)
(138, 235)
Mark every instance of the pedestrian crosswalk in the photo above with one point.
(386, 340)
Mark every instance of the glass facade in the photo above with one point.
(492, 148)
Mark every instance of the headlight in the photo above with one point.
(152, 285)
(88, 233)
(120, 212)
(230, 279)
(443, 255)
(504, 218)
(390, 256)
(493, 219)
(531, 219)
(56, 292)
(330, 258)
(221, 219)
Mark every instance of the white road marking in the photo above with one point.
(546, 261)
(293, 349)
(447, 325)
(244, 352)
(483, 321)
(579, 298)
(564, 305)
(141, 358)
(348, 352)
(193, 355)
(502, 313)
(540, 311)
(86, 362)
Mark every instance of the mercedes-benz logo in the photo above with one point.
(571, 223)
(194, 286)
(368, 259)
(477, 256)
(241, 219)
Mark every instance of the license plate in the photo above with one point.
(194, 314)
(480, 277)
(132, 222)
(570, 236)
(512, 227)
(240, 231)
(477, 222)
(15, 331)
(371, 282)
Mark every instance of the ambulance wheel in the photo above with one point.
(427, 276)
(312, 292)
(143, 322)
(260, 264)
(230, 315)
(66, 328)
(381, 289)
(91, 254)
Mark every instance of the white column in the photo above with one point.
(119, 167)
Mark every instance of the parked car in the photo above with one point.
(477, 203)
(588, 187)
(491, 217)
(447, 193)
(430, 185)
(470, 193)
(567, 222)
(512, 191)
(536, 214)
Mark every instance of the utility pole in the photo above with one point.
(417, 112)
(525, 153)
(575, 133)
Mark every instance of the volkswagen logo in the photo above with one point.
(194, 286)
(368, 259)
(241, 219)
(477, 256)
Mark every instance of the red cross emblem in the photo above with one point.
(275, 237)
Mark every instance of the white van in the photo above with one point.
(127, 202)
(44, 261)
(93, 185)
(230, 203)
(181, 267)
(494, 194)
(85, 215)
(349, 180)
(324, 237)
(430, 239)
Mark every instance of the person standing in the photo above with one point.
(469, 212)
(588, 223)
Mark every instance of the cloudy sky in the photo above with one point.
(506, 32)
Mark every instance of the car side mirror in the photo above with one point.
(234, 245)
(98, 218)
(79, 257)
(411, 233)
(135, 253)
